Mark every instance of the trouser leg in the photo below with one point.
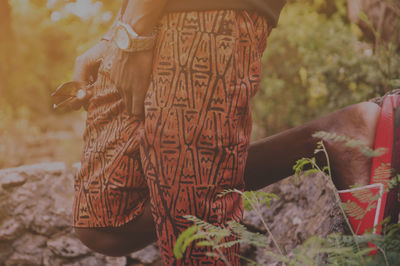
(198, 122)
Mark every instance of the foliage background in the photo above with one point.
(316, 61)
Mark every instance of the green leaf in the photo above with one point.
(189, 240)
(180, 242)
(204, 243)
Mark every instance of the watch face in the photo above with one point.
(122, 38)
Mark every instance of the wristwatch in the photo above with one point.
(129, 41)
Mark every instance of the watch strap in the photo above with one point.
(137, 43)
(141, 43)
(106, 38)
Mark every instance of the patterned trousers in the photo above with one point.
(194, 139)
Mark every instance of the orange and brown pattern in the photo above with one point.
(197, 127)
(110, 188)
(193, 143)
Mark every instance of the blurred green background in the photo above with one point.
(316, 61)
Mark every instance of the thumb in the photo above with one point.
(138, 106)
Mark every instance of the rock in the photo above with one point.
(30, 244)
(10, 230)
(116, 261)
(35, 219)
(24, 259)
(28, 250)
(12, 180)
(49, 259)
(48, 224)
(5, 252)
(148, 255)
(302, 211)
(88, 261)
(54, 212)
(35, 171)
(67, 247)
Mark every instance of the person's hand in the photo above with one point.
(130, 72)
(86, 71)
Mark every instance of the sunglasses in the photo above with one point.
(67, 92)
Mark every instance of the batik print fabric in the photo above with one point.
(198, 122)
(110, 188)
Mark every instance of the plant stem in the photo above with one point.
(221, 255)
(338, 199)
(256, 210)
(384, 255)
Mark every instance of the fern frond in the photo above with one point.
(228, 191)
(213, 254)
(255, 198)
(248, 261)
(299, 167)
(204, 243)
(189, 239)
(228, 244)
(201, 224)
(393, 182)
(246, 236)
(180, 247)
(349, 142)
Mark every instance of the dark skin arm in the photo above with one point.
(271, 159)
(130, 71)
(88, 63)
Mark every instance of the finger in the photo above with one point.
(124, 97)
(121, 94)
(78, 100)
(94, 70)
(138, 106)
(75, 104)
(86, 70)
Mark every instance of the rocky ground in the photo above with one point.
(35, 213)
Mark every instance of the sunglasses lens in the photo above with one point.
(67, 89)
(66, 92)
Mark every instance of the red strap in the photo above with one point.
(381, 165)
(380, 172)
